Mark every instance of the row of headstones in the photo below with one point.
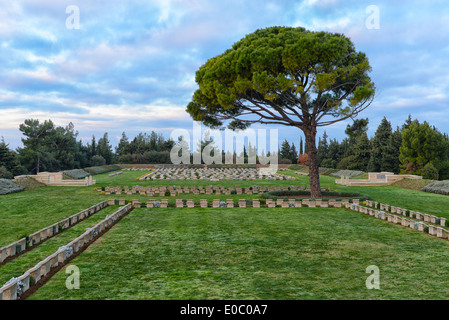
(242, 203)
(16, 287)
(151, 191)
(40, 236)
(402, 220)
(212, 174)
(412, 214)
(115, 174)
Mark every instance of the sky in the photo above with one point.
(130, 65)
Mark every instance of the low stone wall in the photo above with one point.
(115, 174)
(14, 249)
(172, 191)
(16, 287)
(231, 203)
(375, 179)
(409, 213)
(56, 179)
(426, 223)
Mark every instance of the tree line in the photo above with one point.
(47, 147)
(413, 148)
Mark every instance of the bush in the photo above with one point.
(443, 173)
(29, 183)
(439, 187)
(346, 173)
(76, 173)
(303, 159)
(329, 163)
(5, 174)
(102, 169)
(7, 186)
(346, 162)
(285, 161)
(19, 170)
(98, 161)
(430, 172)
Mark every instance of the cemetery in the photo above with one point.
(212, 174)
(189, 151)
(143, 203)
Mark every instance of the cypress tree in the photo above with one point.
(285, 150)
(361, 154)
(380, 142)
(323, 149)
(390, 158)
(293, 154)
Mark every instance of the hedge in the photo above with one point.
(7, 186)
(102, 169)
(76, 173)
(346, 173)
(439, 187)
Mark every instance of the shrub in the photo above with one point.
(5, 174)
(439, 187)
(98, 161)
(346, 173)
(285, 161)
(29, 183)
(430, 172)
(303, 159)
(7, 186)
(102, 169)
(346, 162)
(443, 173)
(329, 163)
(76, 173)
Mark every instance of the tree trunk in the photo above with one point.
(314, 173)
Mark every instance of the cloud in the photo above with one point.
(132, 64)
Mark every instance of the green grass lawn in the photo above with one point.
(302, 253)
(18, 266)
(282, 253)
(27, 212)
